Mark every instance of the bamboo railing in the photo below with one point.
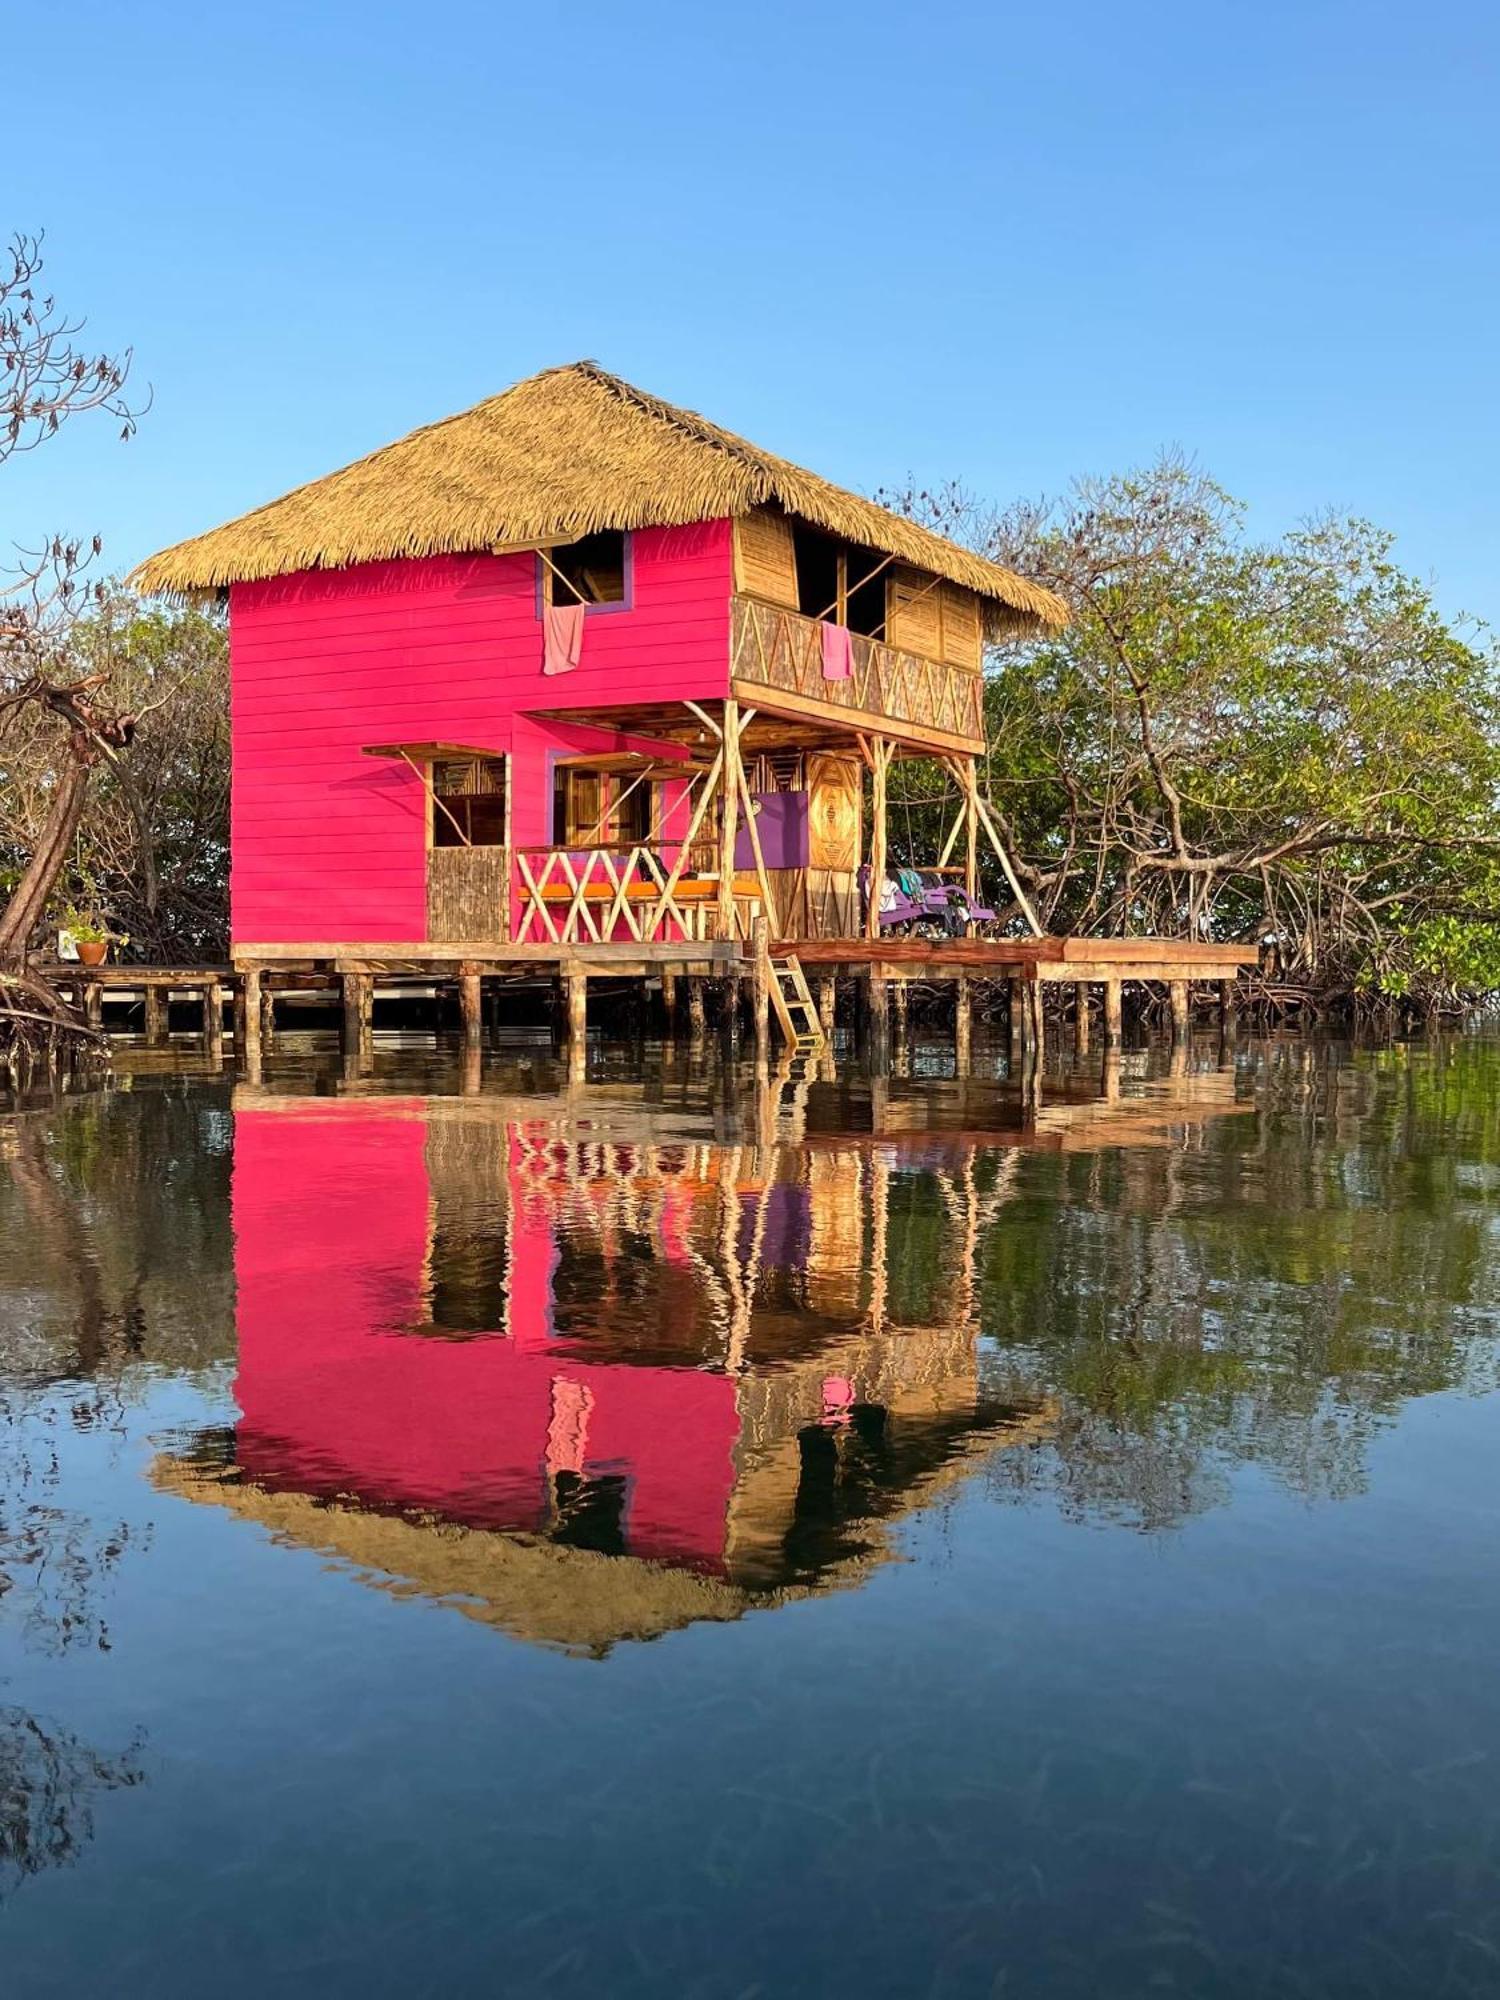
(776, 648)
(620, 895)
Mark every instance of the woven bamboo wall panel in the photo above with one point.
(466, 889)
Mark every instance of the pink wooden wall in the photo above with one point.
(330, 844)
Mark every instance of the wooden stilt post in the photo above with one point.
(1113, 1013)
(1228, 1021)
(963, 1021)
(827, 1004)
(697, 1010)
(91, 999)
(578, 1006)
(880, 751)
(879, 1009)
(359, 1010)
(471, 1003)
(1081, 1017)
(213, 1015)
(669, 1000)
(267, 1013)
(900, 992)
(1177, 996)
(971, 837)
(156, 1013)
(1031, 1019)
(248, 1018)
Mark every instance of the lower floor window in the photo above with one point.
(468, 803)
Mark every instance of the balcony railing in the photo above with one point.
(616, 895)
(781, 649)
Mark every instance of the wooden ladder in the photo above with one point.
(791, 1000)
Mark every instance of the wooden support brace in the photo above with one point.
(761, 988)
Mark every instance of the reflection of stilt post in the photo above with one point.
(1031, 1017)
(1113, 1013)
(761, 989)
(963, 1021)
(1177, 996)
(1109, 1076)
(473, 1070)
(697, 1012)
(1081, 1017)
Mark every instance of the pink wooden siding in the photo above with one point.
(330, 844)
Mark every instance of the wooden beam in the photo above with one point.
(849, 721)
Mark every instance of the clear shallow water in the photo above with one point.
(461, 1535)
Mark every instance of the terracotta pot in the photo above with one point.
(91, 951)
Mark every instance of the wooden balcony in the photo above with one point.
(888, 692)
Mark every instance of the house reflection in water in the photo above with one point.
(586, 1388)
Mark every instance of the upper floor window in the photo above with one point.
(843, 584)
(593, 571)
(468, 802)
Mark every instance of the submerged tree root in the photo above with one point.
(39, 1031)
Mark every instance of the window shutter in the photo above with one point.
(913, 612)
(764, 563)
(962, 636)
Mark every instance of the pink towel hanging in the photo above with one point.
(838, 653)
(562, 627)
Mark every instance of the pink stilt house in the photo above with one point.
(578, 669)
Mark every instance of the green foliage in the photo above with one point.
(1242, 739)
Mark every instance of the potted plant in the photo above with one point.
(91, 938)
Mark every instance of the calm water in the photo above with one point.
(463, 1534)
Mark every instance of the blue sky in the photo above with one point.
(1005, 244)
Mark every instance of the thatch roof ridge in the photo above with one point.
(561, 454)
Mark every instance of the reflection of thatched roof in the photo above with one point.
(558, 456)
(536, 1589)
(554, 1595)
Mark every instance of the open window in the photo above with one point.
(468, 802)
(594, 571)
(844, 584)
(597, 805)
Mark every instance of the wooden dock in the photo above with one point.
(882, 972)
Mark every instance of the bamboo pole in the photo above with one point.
(729, 818)
(881, 764)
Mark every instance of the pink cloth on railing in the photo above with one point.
(562, 627)
(838, 652)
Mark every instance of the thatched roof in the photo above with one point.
(559, 456)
